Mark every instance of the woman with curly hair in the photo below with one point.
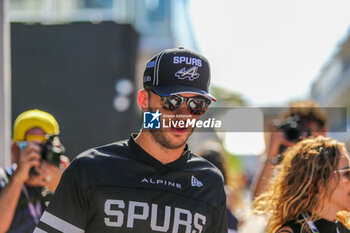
(312, 185)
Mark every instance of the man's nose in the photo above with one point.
(183, 109)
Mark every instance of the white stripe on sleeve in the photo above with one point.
(38, 230)
(59, 224)
(229, 231)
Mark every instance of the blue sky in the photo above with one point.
(269, 51)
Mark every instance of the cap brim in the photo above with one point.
(180, 89)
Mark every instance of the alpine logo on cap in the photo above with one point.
(195, 182)
(191, 73)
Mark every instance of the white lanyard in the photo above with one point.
(311, 224)
(35, 211)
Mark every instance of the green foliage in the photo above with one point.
(226, 97)
(234, 164)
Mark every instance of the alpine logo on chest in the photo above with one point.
(161, 182)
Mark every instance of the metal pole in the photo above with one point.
(5, 85)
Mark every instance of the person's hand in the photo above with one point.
(37, 180)
(64, 162)
(50, 174)
(277, 140)
(28, 157)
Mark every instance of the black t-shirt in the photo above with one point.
(323, 225)
(121, 188)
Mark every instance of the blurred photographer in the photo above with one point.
(37, 166)
(301, 120)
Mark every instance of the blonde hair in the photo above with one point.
(307, 165)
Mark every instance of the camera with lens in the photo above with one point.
(292, 128)
(51, 151)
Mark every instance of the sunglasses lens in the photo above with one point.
(198, 106)
(172, 102)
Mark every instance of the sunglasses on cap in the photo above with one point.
(197, 105)
(30, 138)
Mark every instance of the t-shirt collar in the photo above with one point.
(146, 157)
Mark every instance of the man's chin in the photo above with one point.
(171, 139)
(178, 137)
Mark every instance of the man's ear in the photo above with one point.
(142, 99)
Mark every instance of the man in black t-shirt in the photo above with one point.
(151, 182)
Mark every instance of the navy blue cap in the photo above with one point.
(176, 71)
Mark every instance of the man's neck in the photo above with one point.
(156, 150)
